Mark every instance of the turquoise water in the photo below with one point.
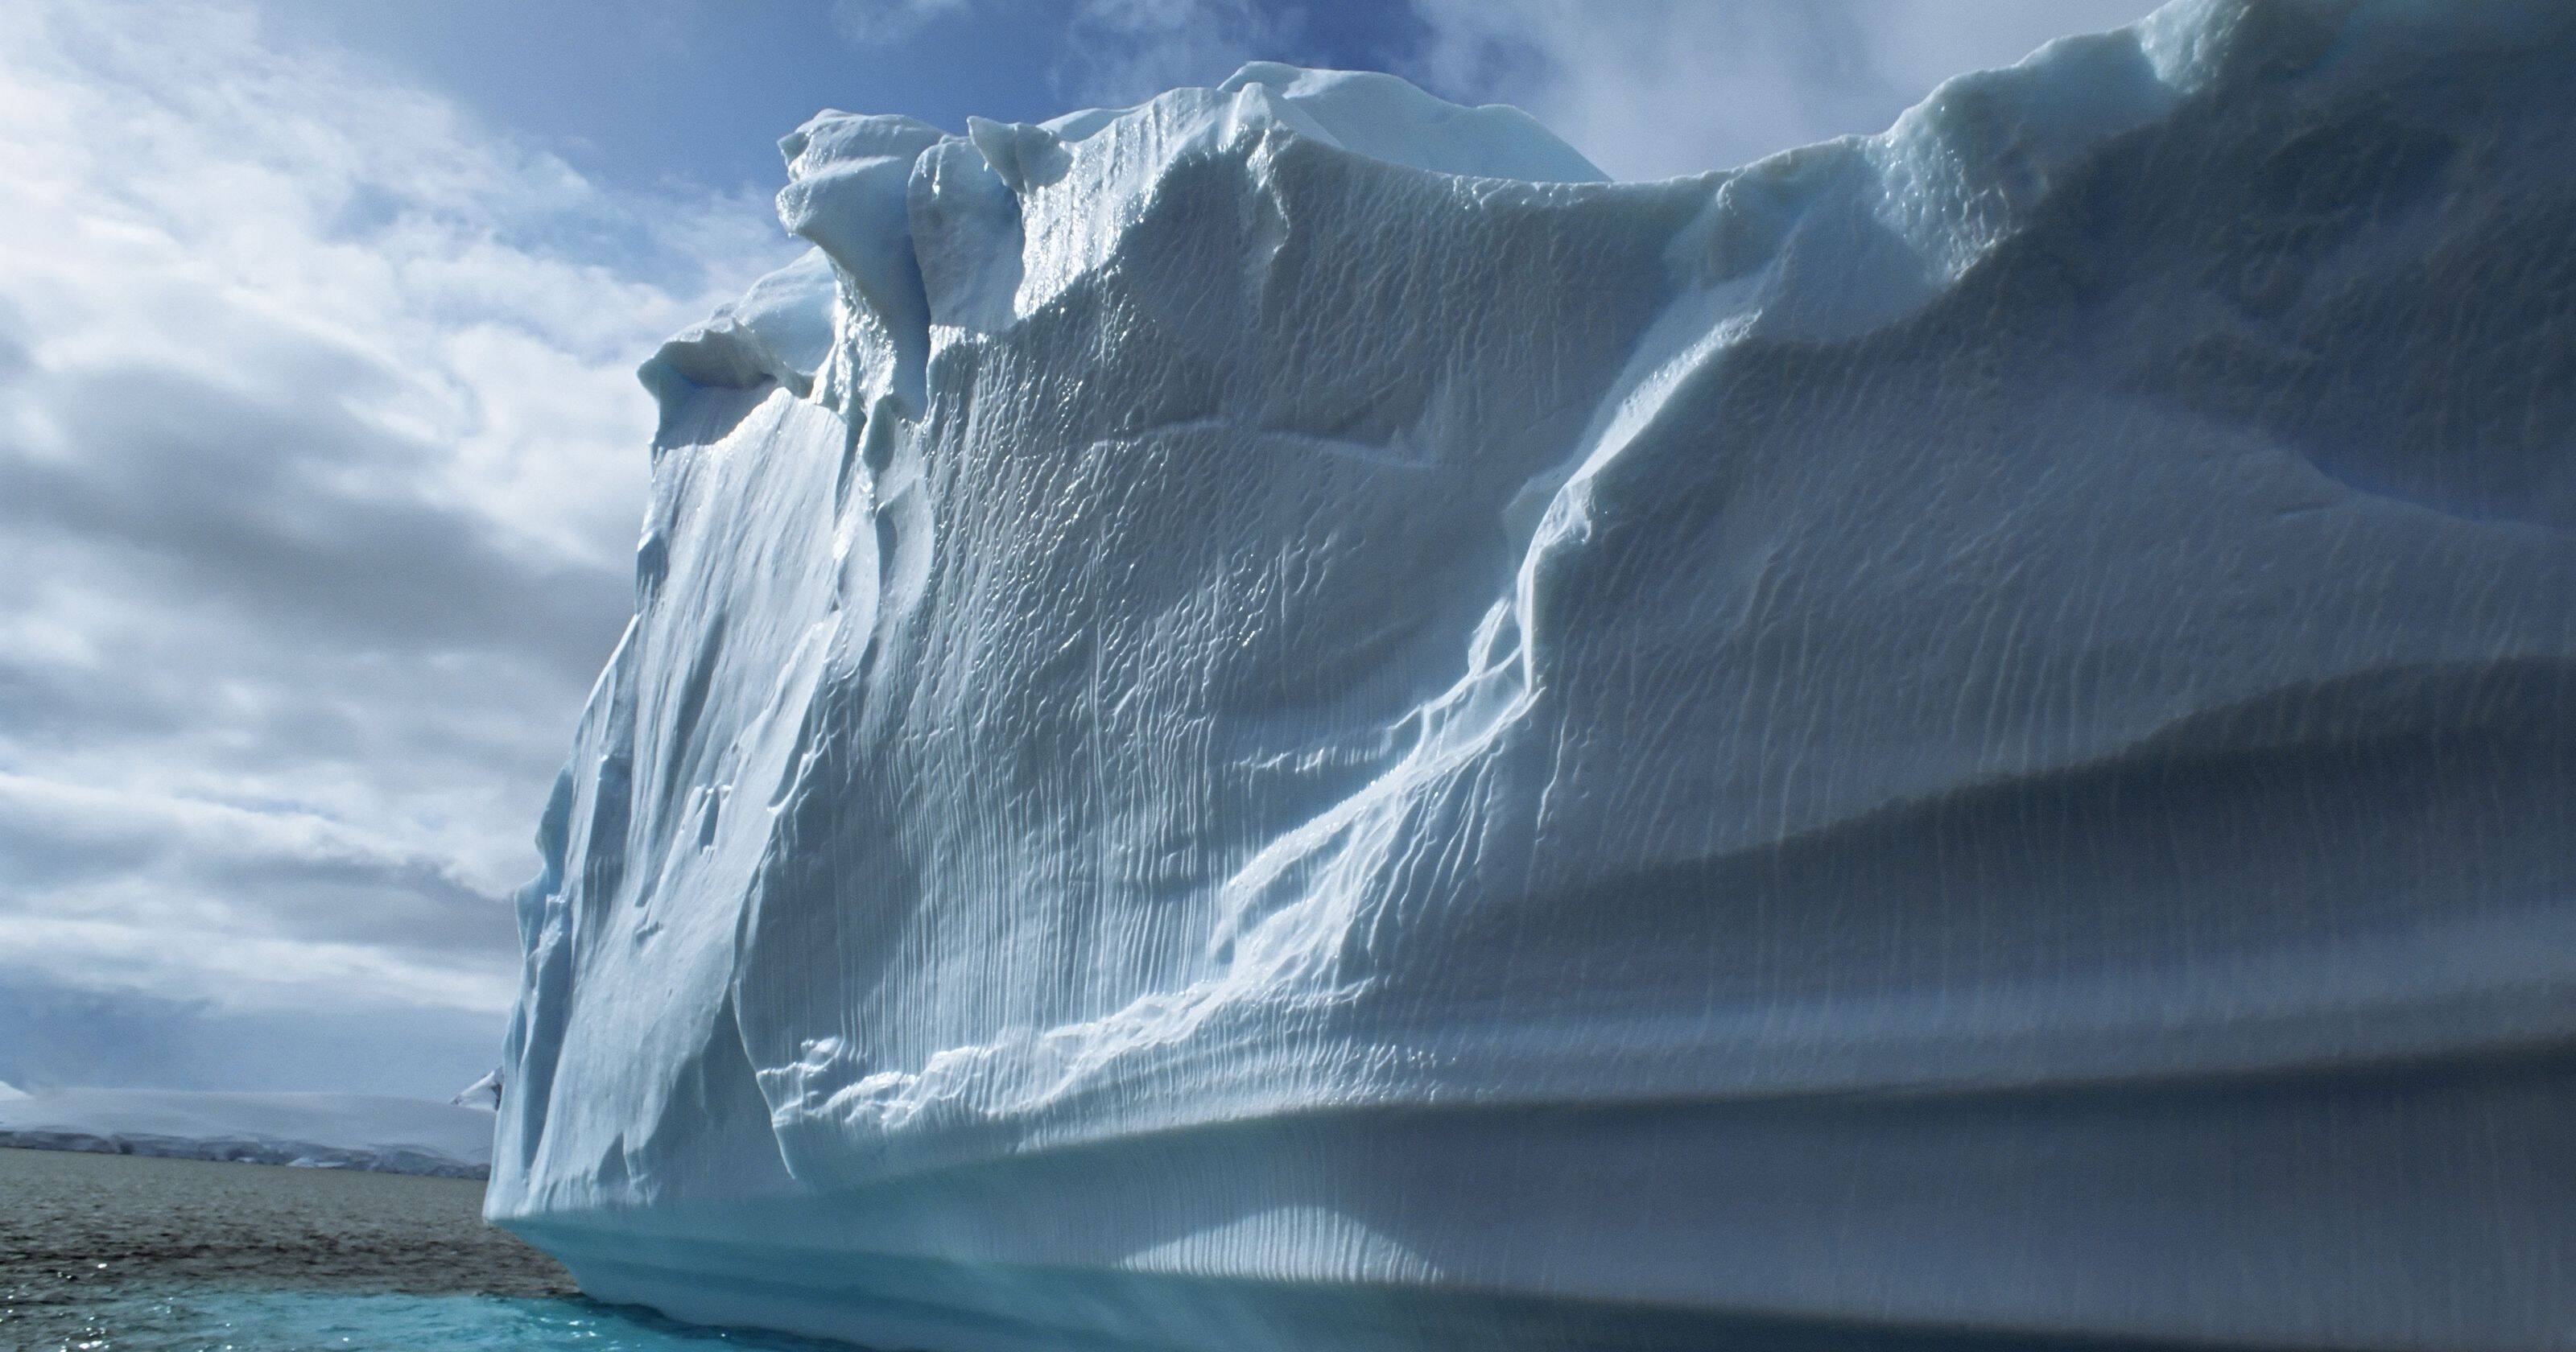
(114, 1253)
(309, 1321)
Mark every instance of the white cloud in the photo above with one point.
(320, 464)
(1654, 88)
(1122, 52)
(231, 971)
(883, 23)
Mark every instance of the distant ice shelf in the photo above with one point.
(326, 1131)
(1281, 720)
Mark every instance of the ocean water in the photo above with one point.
(117, 1253)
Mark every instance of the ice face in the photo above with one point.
(1278, 719)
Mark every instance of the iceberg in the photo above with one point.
(1280, 719)
(314, 1130)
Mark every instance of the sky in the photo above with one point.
(322, 459)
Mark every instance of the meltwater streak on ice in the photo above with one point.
(1278, 719)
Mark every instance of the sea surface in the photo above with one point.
(119, 1253)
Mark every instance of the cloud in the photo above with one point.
(1646, 88)
(53, 1034)
(301, 516)
(884, 23)
(1655, 88)
(320, 467)
(270, 873)
(1122, 52)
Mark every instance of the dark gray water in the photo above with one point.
(118, 1253)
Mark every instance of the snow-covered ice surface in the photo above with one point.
(1280, 720)
(332, 1131)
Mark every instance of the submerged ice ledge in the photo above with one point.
(1282, 719)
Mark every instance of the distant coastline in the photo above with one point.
(315, 1131)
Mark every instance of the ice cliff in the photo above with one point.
(1280, 720)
